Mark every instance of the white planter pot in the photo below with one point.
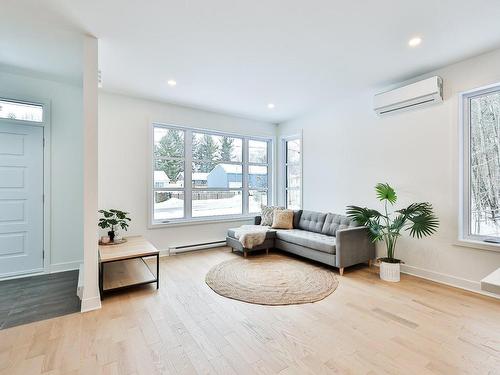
(390, 271)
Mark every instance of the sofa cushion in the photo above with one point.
(296, 218)
(312, 240)
(334, 222)
(311, 221)
(270, 234)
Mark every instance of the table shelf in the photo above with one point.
(127, 272)
(126, 265)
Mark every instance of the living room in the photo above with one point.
(289, 187)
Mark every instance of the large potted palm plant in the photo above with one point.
(418, 219)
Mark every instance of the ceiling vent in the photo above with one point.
(418, 94)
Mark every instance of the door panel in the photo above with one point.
(21, 199)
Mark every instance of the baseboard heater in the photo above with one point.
(194, 247)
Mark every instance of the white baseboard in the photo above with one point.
(67, 266)
(457, 282)
(52, 268)
(90, 304)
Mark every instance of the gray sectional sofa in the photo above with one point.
(327, 238)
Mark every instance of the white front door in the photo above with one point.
(21, 199)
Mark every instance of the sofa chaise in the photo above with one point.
(324, 237)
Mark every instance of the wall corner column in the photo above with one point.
(91, 299)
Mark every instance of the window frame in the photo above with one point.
(188, 170)
(284, 158)
(35, 103)
(465, 237)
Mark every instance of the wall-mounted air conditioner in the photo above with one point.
(418, 94)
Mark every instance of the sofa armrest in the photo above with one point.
(353, 246)
(257, 220)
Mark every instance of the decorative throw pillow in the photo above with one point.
(267, 214)
(283, 219)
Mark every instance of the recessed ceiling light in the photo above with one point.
(271, 106)
(413, 42)
(171, 82)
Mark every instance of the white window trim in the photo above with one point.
(283, 141)
(188, 189)
(46, 125)
(37, 103)
(464, 237)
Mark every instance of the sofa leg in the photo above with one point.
(369, 263)
(267, 251)
(341, 271)
(245, 254)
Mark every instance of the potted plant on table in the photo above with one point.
(418, 219)
(113, 219)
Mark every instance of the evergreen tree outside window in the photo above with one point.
(200, 174)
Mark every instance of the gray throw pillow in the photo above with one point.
(267, 214)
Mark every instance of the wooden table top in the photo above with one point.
(136, 246)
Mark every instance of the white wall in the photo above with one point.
(67, 158)
(347, 150)
(124, 161)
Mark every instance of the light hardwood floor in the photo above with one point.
(365, 327)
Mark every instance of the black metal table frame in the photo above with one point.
(156, 279)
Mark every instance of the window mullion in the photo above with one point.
(188, 173)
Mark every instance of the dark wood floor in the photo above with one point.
(35, 298)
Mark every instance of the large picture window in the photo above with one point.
(201, 174)
(293, 172)
(481, 165)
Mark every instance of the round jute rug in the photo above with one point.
(271, 280)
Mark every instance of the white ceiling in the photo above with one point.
(236, 56)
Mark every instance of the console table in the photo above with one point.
(125, 265)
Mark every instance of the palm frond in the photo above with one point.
(423, 224)
(375, 230)
(386, 192)
(398, 224)
(362, 215)
(416, 209)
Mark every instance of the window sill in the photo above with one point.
(475, 244)
(201, 221)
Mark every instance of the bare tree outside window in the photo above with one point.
(484, 146)
(293, 173)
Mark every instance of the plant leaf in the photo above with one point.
(423, 224)
(375, 231)
(385, 192)
(416, 209)
(397, 224)
(362, 215)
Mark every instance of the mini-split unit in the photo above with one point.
(415, 95)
